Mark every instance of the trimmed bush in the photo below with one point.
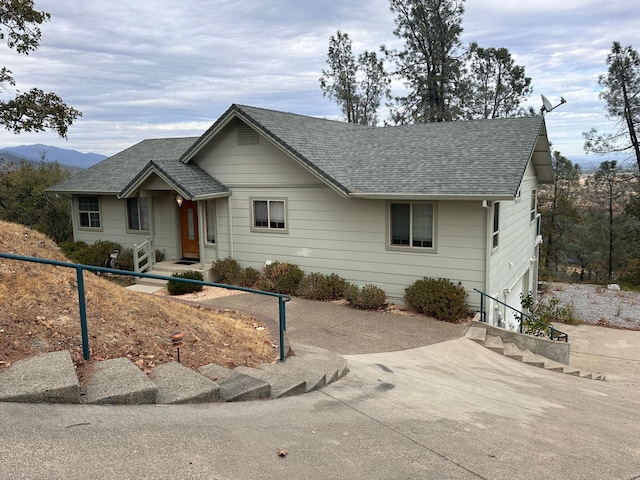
(317, 286)
(251, 276)
(95, 255)
(280, 277)
(230, 271)
(180, 288)
(370, 297)
(440, 299)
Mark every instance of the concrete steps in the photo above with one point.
(51, 378)
(511, 350)
(166, 269)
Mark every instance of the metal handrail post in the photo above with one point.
(86, 352)
(283, 326)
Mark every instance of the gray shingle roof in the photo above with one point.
(478, 157)
(483, 158)
(119, 175)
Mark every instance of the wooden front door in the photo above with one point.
(189, 229)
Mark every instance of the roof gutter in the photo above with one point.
(418, 196)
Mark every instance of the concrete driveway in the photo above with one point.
(449, 410)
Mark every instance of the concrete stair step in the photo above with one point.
(477, 334)
(284, 382)
(511, 350)
(494, 343)
(235, 386)
(532, 359)
(52, 378)
(118, 381)
(179, 384)
(321, 360)
(49, 378)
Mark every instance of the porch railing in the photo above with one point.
(282, 299)
(536, 327)
(143, 256)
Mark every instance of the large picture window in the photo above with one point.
(269, 214)
(89, 212)
(138, 214)
(411, 224)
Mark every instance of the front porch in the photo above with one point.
(167, 268)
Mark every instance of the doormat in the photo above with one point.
(185, 262)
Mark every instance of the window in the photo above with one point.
(89, 212)
(138, 214)
(411, 224)
(210, 209)
(269, 214)
(496, 223)
(534, 204)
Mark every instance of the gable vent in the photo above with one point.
(246, 134)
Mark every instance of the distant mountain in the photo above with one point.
(63, 156)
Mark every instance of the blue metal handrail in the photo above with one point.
(282, 299)
(554, 333)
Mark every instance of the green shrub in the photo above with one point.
(547, 313)
(441, 299)
(251, 276)
(317, 286)
(71, 249)
(280, 277)
(180, 288)
(229, 271)
(125, 260)
(370, 297)
(95, 255)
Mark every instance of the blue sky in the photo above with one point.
(157, 68)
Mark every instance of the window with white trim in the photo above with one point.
(411, 224)
(269, 214)
(534, 204)
(210, 219)
(89, 212)
(496, 224)
(138, 214)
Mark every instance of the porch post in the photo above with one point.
(202, 232)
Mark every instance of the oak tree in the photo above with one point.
(33, 110)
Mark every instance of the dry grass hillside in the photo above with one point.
(39, 313)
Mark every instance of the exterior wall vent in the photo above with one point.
(247, 135)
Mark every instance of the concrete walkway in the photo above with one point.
(450, 409)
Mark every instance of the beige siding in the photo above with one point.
(329, 234)
(113, 217)
(258, 165)
(511, 261)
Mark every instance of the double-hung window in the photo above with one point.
(269, 214)
(411, 224)
(89, 212)
(138, 214)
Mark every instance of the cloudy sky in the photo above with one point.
(150, 68)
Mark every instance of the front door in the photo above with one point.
(189, 229)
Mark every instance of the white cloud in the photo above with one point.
(154, 68)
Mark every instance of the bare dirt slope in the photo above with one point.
(39, 313)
